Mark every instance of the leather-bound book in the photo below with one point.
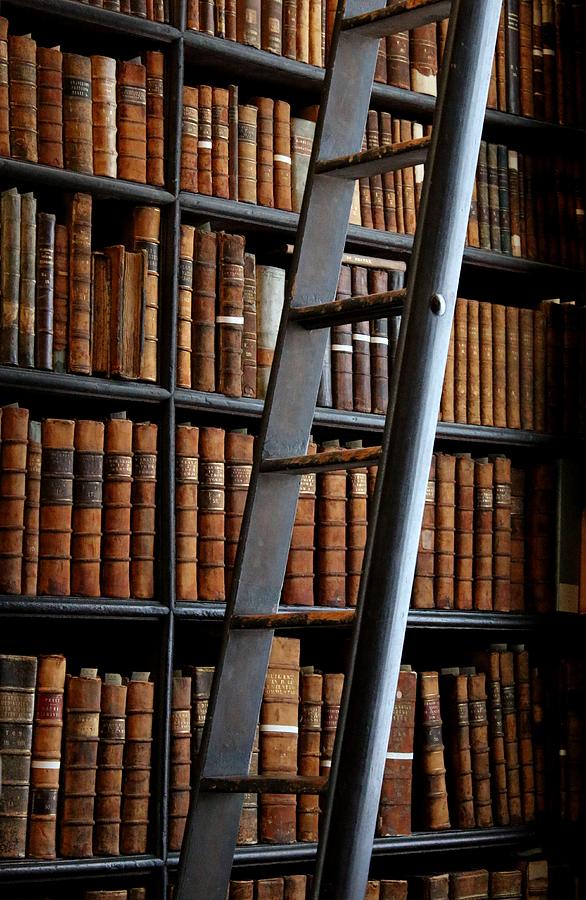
(342, 349)
(155, 149)
(248, 826)
(507, 677)
(506, 885)
(56, 507)
(447, 406)
(469, 885)
(87, 508)
(486, 363)
(393, 890)
(60, 298)
(101, 309)
(379, 348)
(445, 522)
(210, 517)
(10, 215)
(298, 585)
(269, 889)
(515, 202)
(540, 536)
(27, 281)
(302, 25)
(22, 72)
(483, 534)
(270, 297)
(220, 134)
(290, 29)
(372, 890)
(454, 710)
(493, 196)
(295, 887)
(248, 22)
(246, 153)
(480, 749)
(537, 60)
(473, 400)
(302, 135)
(204, 140)
(241, 890)
(13, 469)
(17, 701)
(50, 106)
(536, 879)
(282, 154)
(356, 525)
(385, 130)
(146, 228)
(203, 311)
(332, 697)
(180, 756)
(188, 174)
(104, 115)
(513, 368)
(4, 83)
(430, 887)
(482, 197)
(233, 162)
(398, 61)
(201, 686)
(539, 739)
(185, 306)
(405, 133)
(46, 757)
(517, 539)
(115, 575)
(272, 26)
(230, 314)
(499, 372)
(360, 347)
(80, 760)
(137, 764)
(505, 198)
(310, 713)
(464, 532)
(524, 732)
(206, 17)
(473, 226)
(501, 568)
(131, 121)
(316, 32)
(461, 361)
(77, 113)
(501, 64)
(525, 58)
(394, 815)
(79, 226)
(554, 365)
(423, 59)
(265, 150)
(423, 584)
(549, 59)
(107, 810)
(186, 480)
(434, 797)
(239, 450)
(249, 340)
(30, 542)
(532, 369)
(364, 192)
(331, 536)
(142, 521)
(278, 740)
(373, 140)
(44, 302)
(489, 662)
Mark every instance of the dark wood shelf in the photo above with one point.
(19, 870)
(62, 385)
(80, 607)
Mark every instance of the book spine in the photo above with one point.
(513, 368)
(538, 727)
(272, 26)
(499, 372)
(188, 174)
(22, 73)
(494, 197)
(115, 575)
(77, 113)
(514, 191)
(342, 349)
(211, 515)
(4, 90)
(204, 311)
(498, 768)
(30, 544)
(27, 283)
(56, 507)
(233, 162)
(398, 61)
(298, 585)
(239, 451)
(434, 792)
(332, 698)
(201, 685)
(376, 184)
(447, 405)
(501, 63)
(310, 713)
(444, 541)
(270, 297)
(265, 149)
(87, 508)
(185, 306)
(290, 29)
(461, 361)
(482, 197)
(249, 342)
(45, 292)
(302, 134)
(13, 470)
(246, 153)
(155, 147)
(362, 401)
(486, 363)
(137, 765)
(408, 177)
(464, 533)
(230, 317)
(331, 539)
(524, 733)
(180, 758)
(537, 60)
(103, 95)
(379, 365)
(501, 570)
(10, 236)
(483, 534)
(61, 299)
(186, 481)
(480, 749)
(473, 398)
(80, 226)
(549, 59)
(507, 674)
(112, 734)
(146, 236)
(50, 106)
(204, 140)
(143, 500)
(356, 525)
(220, 136)
(512, 56)
(454, 709)
(388, 179)
(423, 594)
(517, 539)
(394, 816)
(248, 22)
(282, 155)
(540, 536)
(248, 826)
(131, 121)
(423, 59)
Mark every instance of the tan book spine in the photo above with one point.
(513, 368)
(50, 106)
(104, 115)
(22, 73)
(87, 508)
(282, 155)
(4, 90)
(499, 357)
(265, 148)
(142, 521)
(480, 749)
(302, 31)
(155, 149)
(239, 452)
(315, 33)
(526, 369)
(423, 594)
(77, 113)
(56, 507)
(115, 575)
(434, 792)
(13, 467)
(310, 711)
(136, 779)
(247, 152)
(80, 318)
(464, 532)
(211, 515)
(501, 563)
(461, 361)
(447, 406)
(445, 514)
(486, 363)
(203, 335)
(146, 236)
(112, 732)
(331, 537)
(356, 525)
(188, 175)
(220, 143)
(483, 534)
(249, 337)
(186, 481)
(131, 121)
(30, 545)
(180, 758)
(184, 305)
(298, 586)
(473, 399)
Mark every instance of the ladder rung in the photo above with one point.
(388, 158)
(265, 784)
(351, 309)
(329, 460)
(295, 618)
(400, 15)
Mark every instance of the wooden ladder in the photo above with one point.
(404, 458)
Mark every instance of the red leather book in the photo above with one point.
(131, 121)
(22, 72)
(155, 150)
(524, 731)
(188, 176)
(50, 105)
(394, 816)
(4, 87)
(80, 231)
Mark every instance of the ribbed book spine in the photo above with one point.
(87, 508)
(136, 779)
(56, 507)
(112, 734)
(13, 459)
(186, 482)
(143, 500)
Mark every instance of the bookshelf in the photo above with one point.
(161, 622)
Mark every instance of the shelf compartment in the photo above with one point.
(64, 385)
(29, 869)
(80, 607)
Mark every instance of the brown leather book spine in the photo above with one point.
(30, 544)
(27, 281)
(13, 470)
(248, 826)
(107, 810)
(454, 709)
(524, 732)
(206, 17)
(331, 537)
(332, 698)
(517, 539)
(342, 349)
(201, 686)
(431, 887)
(302, 40)
(272, 26)
(464, 532)
(376, 184)
(501, 568)
(480, 749)
(239, 451)
(137, 764)
(17, 700)
(501, 70)
(249, 339)
(220, 135)
(499, 358)
(493, 196)
(61, 299)
(483, 534)
(22, 72)
(269, 889)
(180, 758)
(473, 400)
(408, 179)
(394, 815)
(80, 759)
(379, 357)
(203, 312)
(233, 162)
(115, 576)
(146, 229)
(265, 150)
(87, 508)
(356, 525)
(310, 711)
(10, 215)
(549, 59)
(514, 201)
(298, 585)
(231, 20)
(230, 317)
(142, 521)
(279, 739)
(45, 276)
(188, 175)
(131, 121)
(248, 22)
(506, 885)
(46, 757)
(423, 593)
(185, 306)
(186, 481)
(526, 368)
(295, 887)
(210, 518)
(445, 499)
(80, 226)
(398, 62)
(393, 890)
(469, 885)
(447, 405)
(482, 197)
(388, 179)
(365, 197)
(540, 536)
(290, 28)
(247, 148)
(155, 148)
(489, 662)
(507, 677)
(435, 813)
(525, 58)
(103, 102)
(4, 90)
(461, 361)
(513, 368)
(486, 363)
(50, 106)
(204, 140)
(316, 32)
(282, 155)
(360, 347)
(241, 890)
(423, 59)
(56, 507)
(77, 113)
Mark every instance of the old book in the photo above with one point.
(454, 710)
(524, 731)
(499, 356)
(486, 366)
(513, 368)
(290, 29)
(479, 744)
(233, 117)
(360, 348)
(501, 570)
(537, 60)
(230, 314)
(204, 140)
(298, 587)
(17, 701)
(188, 173)
(302, 134)
(10, 216)
(482, 197)
(493, 197)
(398, 62)
(42, 339)
(431, 887)
(137, 764)
(469, 885)
(142, 520)
(272, 26)
(269, 889)
(13, 470)
(265, 148)
(515, 202)
(331, 536)
(423, 584)
(483, 534)
(77, 113)
(316, 32)
(310, 714)
(549, 59)
(536, 879)
(79, 315)
(333, 685)
(447, 404)
(394, 815)
(56, 507)
(507, 677)
(489, 662)
(50, 106)
(201, 686)
(408, 179)
(131, 121)
(60, 298)
(241, 890)
(203, 310)
(210, 517)
(246, 153)
(278, 740)
(270, 297)
(525, 58)
(248, 825)
(444, 538)
(206, 17)
(115, 574)
(112, 731)
(249, 339)
(364, 187)
(282, 154)
(473, 226)
(379, 348)
(385, 130)
(155, 146)
(501, 64)
(464, 532)
(239, 447)
(302, 26)
(539, 738)
(127, 311)
(356, 525)
(295, 887)
(27, 281)
(4, 83)
(423, 59)
(186, 481)
(342, 349)
(30, 541)
(101, 303)
(506, 885)
(22, 73)
(434, 798)
(80, 757)
(461, 361)
(473, 352)
(103, 104)
(185, 306)
(517, 539)
(180, 756)
(146, 226)
(87, 508)
(248, 22)
(220, 135)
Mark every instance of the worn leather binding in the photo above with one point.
(461, 361)
(515, 201)
(112, 733)
(189, 139)
(454, 710)
(447, 409)
(295, 887)
(210, 518)
(490, 664)
(434, 813)
(394, 815)
(282, 154)
(501, 569)
(220, 135)
(186, 479)
(203, 311)
(279, 739)
(486, 364)
(423, 59)
(22, 72)
(101, 305)
(393, 890)
(473, 399)
(524, 732)
(316, 34)
(10, 215)
(60, 298)
(473, 226)
(27, 281)
(469, 885)
(87, 508)
(506, 885)
(302, 134)
(79, 226)
(204, 140)
(30, 543)
(310, 714)
(423, 584)
(230, 314)
(80, 755)
(513, 368)
(493, 197)
(404, 132)
(503, 198)
(269, 889)
(342, 349)
(332, 697)
(13, 471)
(50, 106)
(180, 756)
(331, 536)
(201, 686)
(379, 348)
(356, 525)
(431, 887)
(501, 70)
(248, 22)
(185, 307)
(17, 698)
(364, 192)
(41, 351)
(155, 148)
(77, 113)
(482, 197)
(131, 121)
(4, 89)
(464, 532)
(517, 539)
(115, 574)
(526, 369)
(302, 36)
(103, 94)
(507, 678)
(233, 163)
(361, 375)
(146, 228)
(239, 449)
(499, 380)
(56, 507)
(480, 749)
(265, 150)
(270, 297)
(298, 587)
(246, 153)
(272, 26)
(143, 499)
(538, 726)
(537, 61)
(137, 764)
(385, 130)
(241, 890)
(483, 534)
(290, 29)
(444, 542)
(249, 340)
(248, 826)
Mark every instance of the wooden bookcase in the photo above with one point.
(122, 630)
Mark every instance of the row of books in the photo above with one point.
(77, 506)
(466, 749)
(76, 760)
(487, 540)
(66, 309)
(90, 114)
(155, 10)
